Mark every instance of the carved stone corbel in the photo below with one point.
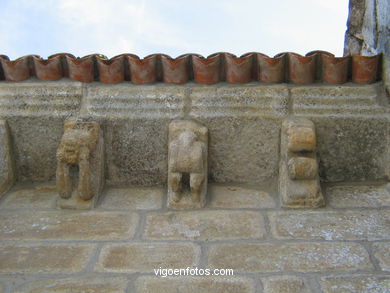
(187, 164)
(81, 148)
(7, 175)
(299, 184)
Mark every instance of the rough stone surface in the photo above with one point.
(194, 285)
(231, 137)
(142, 198)
(362, 148)
(40, 197)
(358, 196)
(343, 101)
(346, 225)
(285, 284)
(187, 157)
(76, 285)
(205, 225)
(44, 258)
(382, 254)
(7, 173)
(82, 146)
(24, 225)
(232, 101)
(35, 161)
(55, 99)
(136, 151)
(355, 284)
(302, 257)
(145, 257)
(230, 196)
(134, 101)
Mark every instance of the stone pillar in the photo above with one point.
(187, 165)
(6, 162)
(299, 184)
(80, 165)
(368, 31)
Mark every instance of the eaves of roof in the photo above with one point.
(288, 67)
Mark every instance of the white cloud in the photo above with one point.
(117, 26)
(174, 27)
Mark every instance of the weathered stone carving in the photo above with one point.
(80, 146)
(187, 164)
(299, 184)
(6, 162)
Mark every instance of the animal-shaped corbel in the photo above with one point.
(187, 164)
(81, 146)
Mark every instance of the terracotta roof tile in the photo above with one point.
(316, 66)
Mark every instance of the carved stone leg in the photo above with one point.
(64, 185)
(196, 183)
(6, 160)
(174, 182)
(84, 188)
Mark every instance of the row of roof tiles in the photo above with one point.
(316, 66)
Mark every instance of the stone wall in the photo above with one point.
(352, 123)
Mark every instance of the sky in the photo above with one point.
(173, 27)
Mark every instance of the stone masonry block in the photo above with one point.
(76, 285)
(285, 284)
(145, 257)
(299, 256)
(63, 225)
(205, 225)
(45, 258)
(218, 284)
(357, 283)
